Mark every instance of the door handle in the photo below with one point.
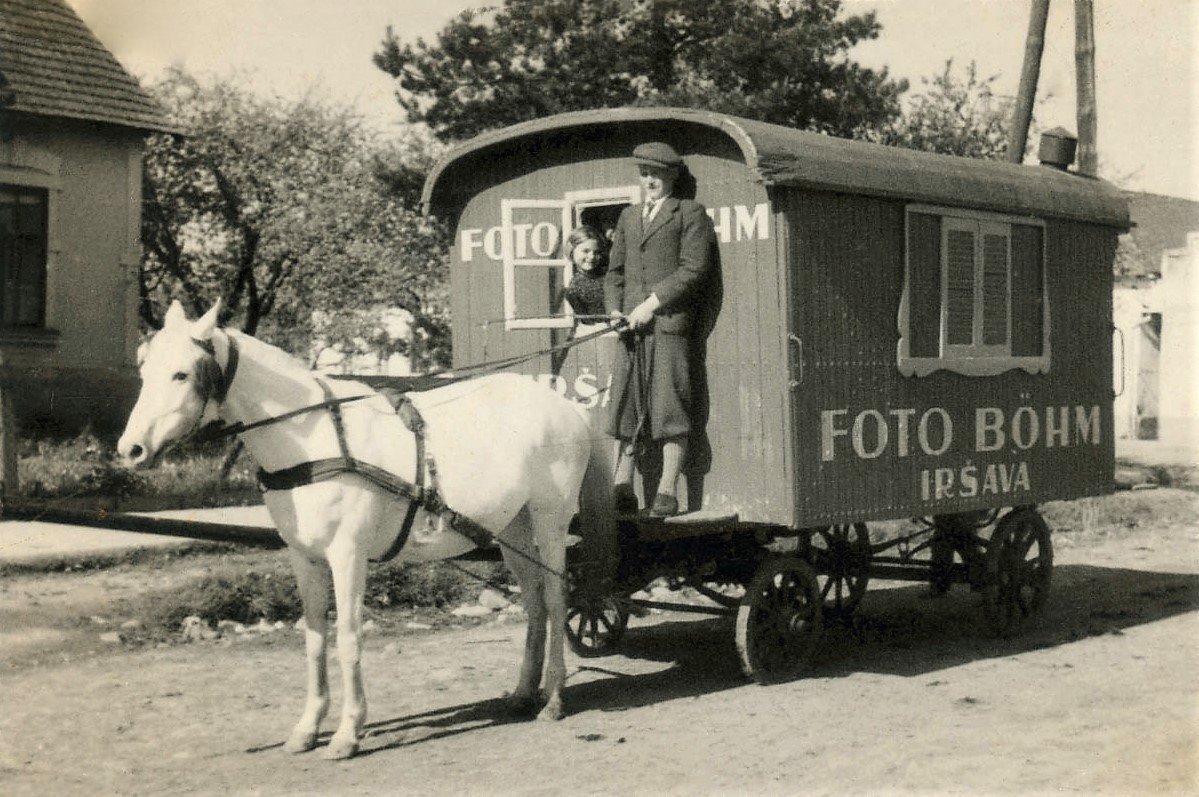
(796, 359)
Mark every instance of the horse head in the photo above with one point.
(179, 376)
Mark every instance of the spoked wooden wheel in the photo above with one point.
(842, 556)
(595, 625)
(779, 620)
(1019, 569)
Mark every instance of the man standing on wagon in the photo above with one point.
(661, 257)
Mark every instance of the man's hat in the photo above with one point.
(656, 153)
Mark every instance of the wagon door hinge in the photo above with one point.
(796, 360)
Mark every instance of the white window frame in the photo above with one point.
(511, 262)
(976, 358)
(26, 165)
(572, 205)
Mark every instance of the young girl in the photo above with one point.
(588, 253)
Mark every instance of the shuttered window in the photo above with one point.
(974, 294)
(23, 251)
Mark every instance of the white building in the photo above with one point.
(1160, 369)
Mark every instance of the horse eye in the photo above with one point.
(180, 376)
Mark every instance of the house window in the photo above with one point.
(974, 298)
(23, 251)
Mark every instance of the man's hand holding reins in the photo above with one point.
(643, 314)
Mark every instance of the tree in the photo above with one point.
(953, 116)
(782, 61)
(276, 207)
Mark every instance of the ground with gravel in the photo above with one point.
(1100, 696)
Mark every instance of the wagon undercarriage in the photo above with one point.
(782, 586)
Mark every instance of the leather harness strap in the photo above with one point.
(418, 495)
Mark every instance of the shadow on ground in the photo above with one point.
(896, 631)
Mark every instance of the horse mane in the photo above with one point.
(267, 354)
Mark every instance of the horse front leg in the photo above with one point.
(348, 564)
(312, 578)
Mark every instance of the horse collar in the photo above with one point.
(224, 380)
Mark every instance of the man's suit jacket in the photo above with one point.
(670, 257)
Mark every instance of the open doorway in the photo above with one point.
(601, 217)
(601, 207)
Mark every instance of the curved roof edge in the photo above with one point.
(591, 118)
(780, 155)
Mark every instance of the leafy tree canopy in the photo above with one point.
(275, 206)
(953, 115)
(782, 61)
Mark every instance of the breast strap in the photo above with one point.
(418, 495)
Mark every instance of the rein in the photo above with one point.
(219, 431)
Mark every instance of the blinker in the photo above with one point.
(212, 383)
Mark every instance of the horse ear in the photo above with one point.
(203, 327)
(175, 315)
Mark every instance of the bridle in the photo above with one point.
(215, 381)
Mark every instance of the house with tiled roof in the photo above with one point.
(72, 127)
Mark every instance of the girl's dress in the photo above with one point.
(586, 295)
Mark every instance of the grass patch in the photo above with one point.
(247, 588)
(1122, 514)
(61, 470)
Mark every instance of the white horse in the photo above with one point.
(510, 454)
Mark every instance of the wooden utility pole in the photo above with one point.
(1034, 46)
(1084, 68)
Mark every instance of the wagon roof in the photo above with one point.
(783, 156)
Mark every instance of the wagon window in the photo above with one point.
(535, 263)
(974, 298)
(23, 250)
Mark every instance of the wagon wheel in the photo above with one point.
(595, 625)
(842, 556)
(779, 620)
(1019, 569)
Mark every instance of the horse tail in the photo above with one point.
(596, 554)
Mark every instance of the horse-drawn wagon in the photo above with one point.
(892, 334)
(888, 334)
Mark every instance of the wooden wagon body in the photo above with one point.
(893, 333)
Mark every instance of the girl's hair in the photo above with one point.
(584, 233)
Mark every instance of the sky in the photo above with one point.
(1147, 72)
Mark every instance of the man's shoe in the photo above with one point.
(664, 506)
(624, 500)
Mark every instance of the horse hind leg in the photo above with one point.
(518, 540)
(549, 531)
(312, 578)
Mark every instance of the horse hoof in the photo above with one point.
(300, 743)
(339, 751)
(521, 705)
(552, 712)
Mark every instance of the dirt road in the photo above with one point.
(1100, 697)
